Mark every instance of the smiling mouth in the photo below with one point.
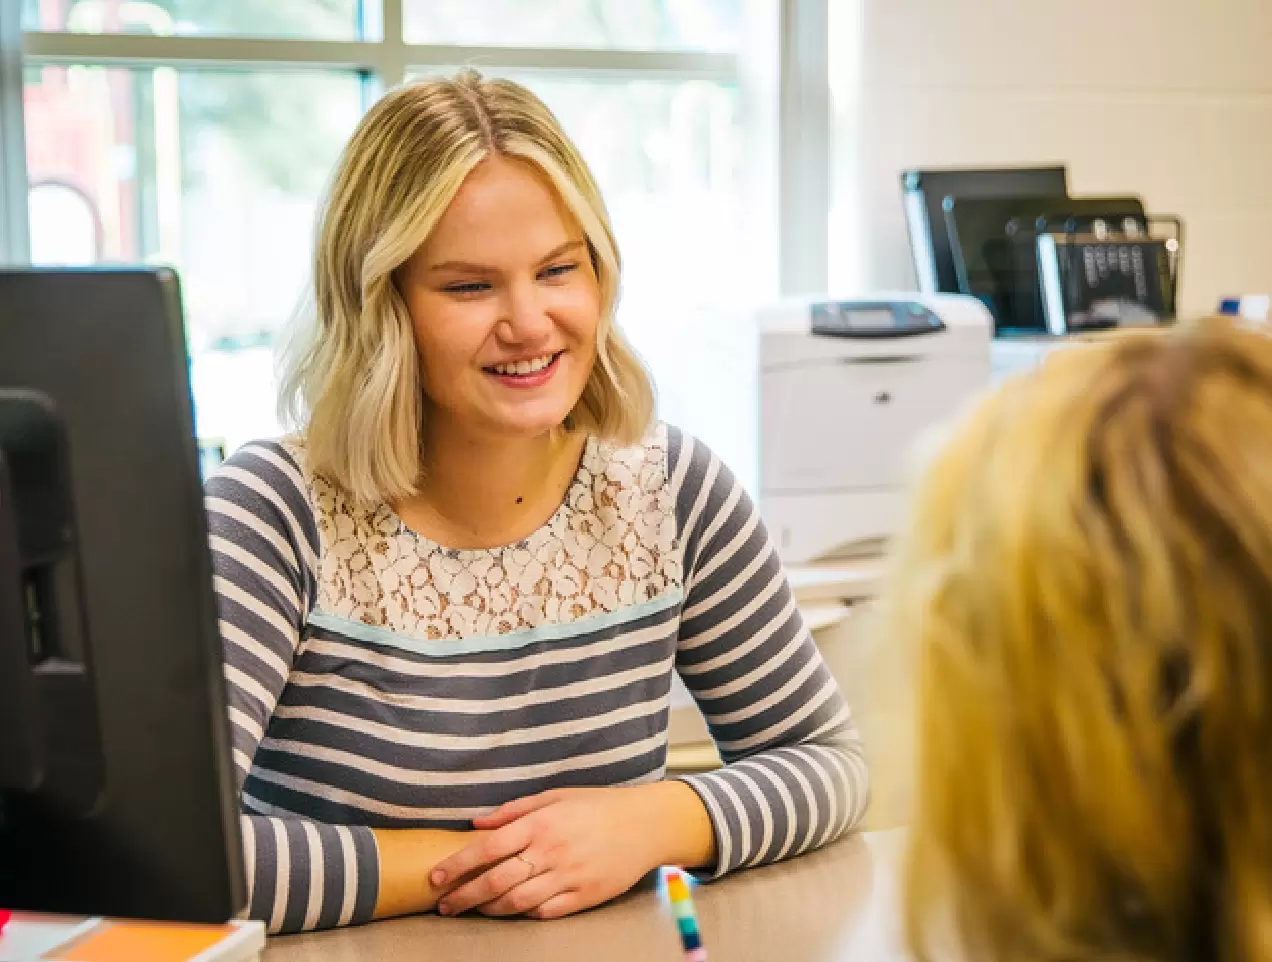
(524, 368)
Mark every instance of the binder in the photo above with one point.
(1092, 282)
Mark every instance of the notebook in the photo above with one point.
(47, 938)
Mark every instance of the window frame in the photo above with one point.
(14, 240)
(785, 91)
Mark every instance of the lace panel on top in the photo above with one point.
(611, 544)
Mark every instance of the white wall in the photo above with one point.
(1170, 99)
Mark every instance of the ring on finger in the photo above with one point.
(529, 864)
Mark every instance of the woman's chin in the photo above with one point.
(531, 424)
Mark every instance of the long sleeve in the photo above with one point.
(794, 775)
(301, 874)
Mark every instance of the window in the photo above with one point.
(216, 172)
(200, 133)
(853, 236)
(713, 25)
(307, 19)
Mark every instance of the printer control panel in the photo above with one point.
(873, 319)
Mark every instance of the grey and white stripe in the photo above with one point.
(340, 728)
(794, 775)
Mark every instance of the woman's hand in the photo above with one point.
(566, 850)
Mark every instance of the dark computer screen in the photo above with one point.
(984, 251)
(924, 193)
(116, 786)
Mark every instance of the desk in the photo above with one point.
(834, 905)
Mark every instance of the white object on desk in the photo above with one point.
(818, 616)
(33, 936)
(847, 391)
(847, 582)
(1020, 354)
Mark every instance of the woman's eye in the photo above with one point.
(473, 287)
(558, 270)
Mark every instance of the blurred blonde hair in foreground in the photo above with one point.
(1087, 576)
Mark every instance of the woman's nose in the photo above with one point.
(525, 316)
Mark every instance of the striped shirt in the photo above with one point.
(379, 680)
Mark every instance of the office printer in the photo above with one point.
(848, 388)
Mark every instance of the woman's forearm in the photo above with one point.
(407, 857)
(679, 827)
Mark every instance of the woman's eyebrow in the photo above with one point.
(564, 248)
(485, 269)
(462, 266)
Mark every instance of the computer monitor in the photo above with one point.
(116, 784)
(988, 264)
(924, 193)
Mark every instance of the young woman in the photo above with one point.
(454, 601)
(1088, 573)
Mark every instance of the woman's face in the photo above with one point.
(505, 305)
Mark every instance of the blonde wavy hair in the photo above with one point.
(1088, 576)
(349, 372)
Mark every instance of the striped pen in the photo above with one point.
(686, 919)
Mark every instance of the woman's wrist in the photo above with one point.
(407, 857)
(675, 825)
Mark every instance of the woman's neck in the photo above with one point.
(481, 492)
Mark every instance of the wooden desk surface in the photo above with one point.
(834, 905)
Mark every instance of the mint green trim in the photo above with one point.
(487, 643)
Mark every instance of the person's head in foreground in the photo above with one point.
(1088, 573)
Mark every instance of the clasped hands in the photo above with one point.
(562, 851)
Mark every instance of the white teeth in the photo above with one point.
(524, 367)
